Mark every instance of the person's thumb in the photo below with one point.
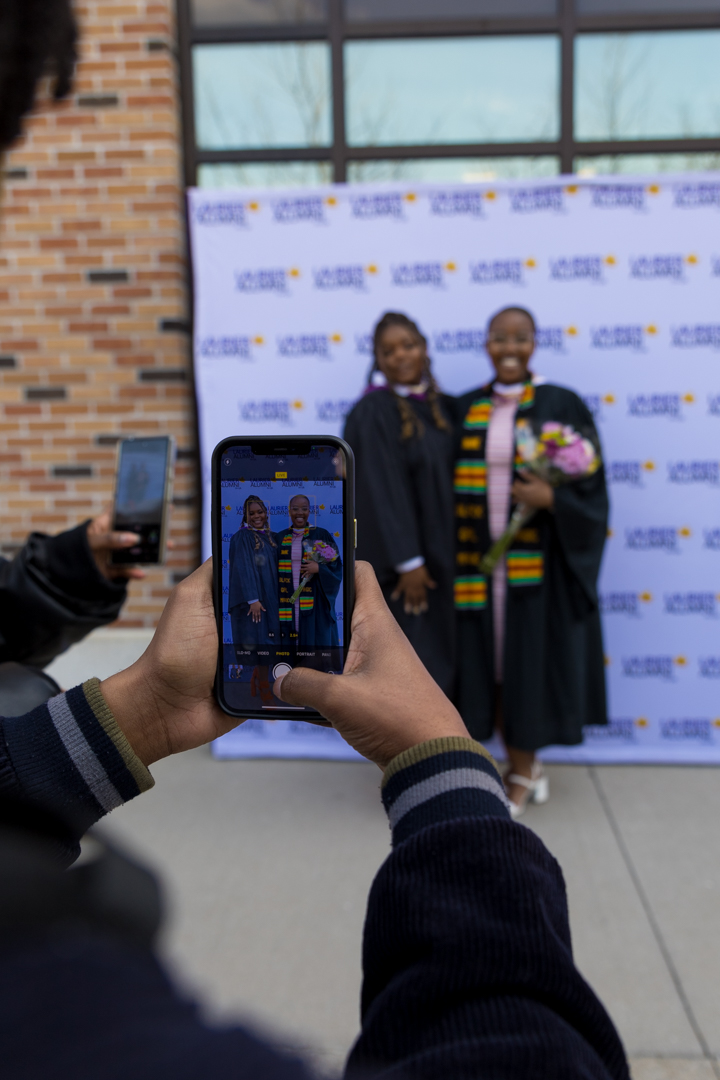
(429, 583)
(303, 686)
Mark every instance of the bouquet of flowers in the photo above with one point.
(557, 454)
(319, 552)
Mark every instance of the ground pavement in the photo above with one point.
(267, 865)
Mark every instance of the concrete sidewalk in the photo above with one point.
(267, 865)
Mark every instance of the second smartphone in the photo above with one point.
(283, 525)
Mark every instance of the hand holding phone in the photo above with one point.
(143, 492)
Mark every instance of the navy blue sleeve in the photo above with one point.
(468, 966)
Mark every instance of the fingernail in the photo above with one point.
(130, 538)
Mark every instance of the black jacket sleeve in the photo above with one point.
(51, 595)
(468, 964)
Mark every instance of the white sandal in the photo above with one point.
(537, 786)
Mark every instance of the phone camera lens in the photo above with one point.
(227, 461)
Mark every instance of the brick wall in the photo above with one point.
(93, 303)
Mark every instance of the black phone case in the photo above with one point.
(348, 554)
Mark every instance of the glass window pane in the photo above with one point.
(398, 10)
(256, 12)
(452, 170)
(452, 90)
(266, 174)
(262, 95)
(623, 7)
(646, 163)
(661, 85)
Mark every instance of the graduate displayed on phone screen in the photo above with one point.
(282, 544)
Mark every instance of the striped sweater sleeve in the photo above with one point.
(441, 780)
(70, 755)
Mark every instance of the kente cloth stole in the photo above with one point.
(524, 560)
(285, 581)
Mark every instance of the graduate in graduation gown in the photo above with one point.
(311, 622)
(401, 434)
(530, 644)
(253, 596)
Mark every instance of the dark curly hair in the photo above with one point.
(514, 311)
(411, 424)
(266, 530)
(37, 38)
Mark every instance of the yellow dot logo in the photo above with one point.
(680, 661)
(410, 196)
(688, 399)
(609, 533)
(293, 272)
(609, 399)
(322, 506)
(607, 661)
(716, 722)
(653, 189)
(531, 264)
(331, 201)
(610, 260)
(228, 507)
(692, 260)
(297, 404)
(649, 466)
(336, 338)
(646, 597)
(641, 721)
(490, 195)
(572, 331)
(372, 269)
(258, 340)
(571, 189)
(651, 329)
(451, 267)
(336, 534)
(253, 206)
(684, 531)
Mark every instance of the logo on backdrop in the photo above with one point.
(265, 412)
(667, 405)
(303, 208)
(702, 335)
(231, 212)
(690, 603)
(651, 667)
(711, 539)
(332, 412)
(454, 341)
(656, 538)
(308, 344)
(364, 344)
(500, 271)
(622, 730)
(530, 200)
(619, 196)
(688, 729)
(661, 267)
(690, 196)
(343, 277)
(628, 336)
(694, 472)
(709, 667)
(628, 472)
(624, 603)
(240, 347)
(595, 404)
(379, 205)
(407, 275)
(455, 203)
(581, 268)
(271, 280)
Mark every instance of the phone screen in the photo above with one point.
(140, 495)
(284, 552)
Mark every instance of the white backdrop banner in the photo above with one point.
(623, 277)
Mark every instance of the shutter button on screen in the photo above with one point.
(281, 669)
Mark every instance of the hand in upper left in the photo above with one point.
(532, 491)
(103, 540)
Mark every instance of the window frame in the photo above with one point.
(566, 24)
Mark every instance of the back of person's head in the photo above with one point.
(38, 38)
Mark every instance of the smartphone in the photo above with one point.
(283, 530)
(143, 492)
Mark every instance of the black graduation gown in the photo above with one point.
(553, 664)
(253, 576)
(318, 627)
(404, 508)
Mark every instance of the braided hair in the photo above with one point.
(254, 499)
(37, 38)
(410, 422)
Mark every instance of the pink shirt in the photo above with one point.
(499, 453)
(296, 555)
